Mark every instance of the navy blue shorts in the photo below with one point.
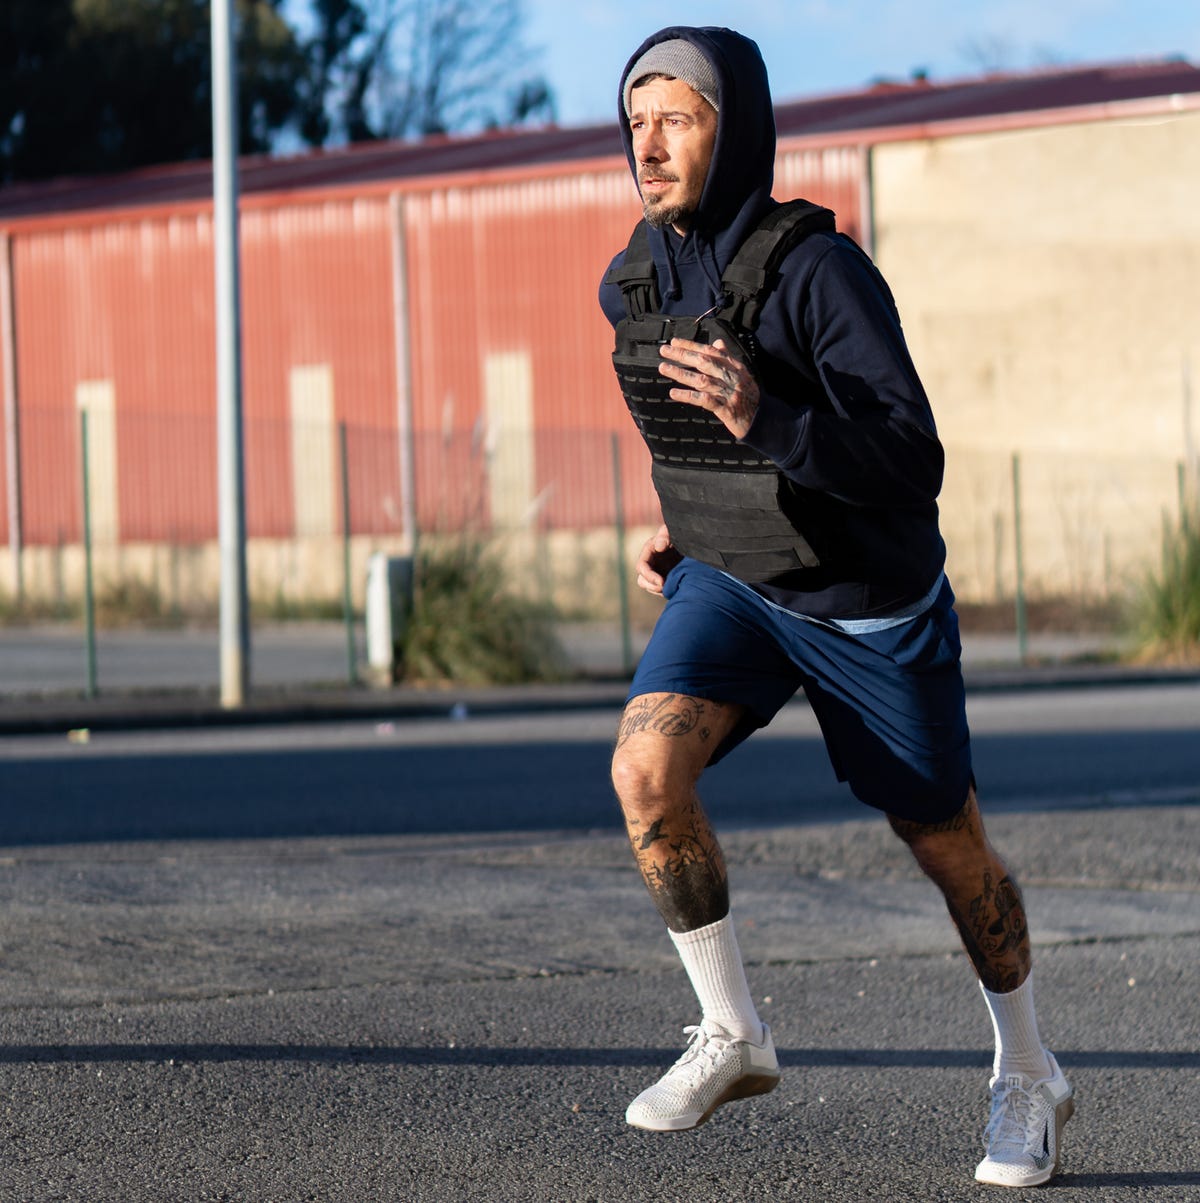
(890, 703)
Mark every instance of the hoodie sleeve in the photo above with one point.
(874, 443)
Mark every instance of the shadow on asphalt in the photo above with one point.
(256, 793)
(324, 1054)
(1136, 1181)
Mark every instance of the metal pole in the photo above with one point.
(1189, 434)
(866, 199)
(622, 580)
(402, 343)
(231, 507)
(1181, 491)
(1022, 628)
(347, 596)
(89, 595)
(12, 424)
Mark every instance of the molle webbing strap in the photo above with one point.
(747, 279)
(635, 276)
(737, 521)
(751, 273)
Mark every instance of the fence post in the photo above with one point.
(347, 595)
(1022, 629)
(12, 428)
(622, 579)
(402, 347)
(89, 598)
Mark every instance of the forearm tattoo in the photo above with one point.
(683, 868)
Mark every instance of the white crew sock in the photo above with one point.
(1019, 1048)
(714, 967)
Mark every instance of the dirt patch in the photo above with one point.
(1044, 616)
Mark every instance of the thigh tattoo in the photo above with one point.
(671, 714)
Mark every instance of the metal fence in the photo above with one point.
(320, 495)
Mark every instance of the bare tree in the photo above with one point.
(989, 52)
(993, 53)
(336, 25)
(420, 67)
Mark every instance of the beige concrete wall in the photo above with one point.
(576, 571)
(1049, 284)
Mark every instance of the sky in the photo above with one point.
(813, 47)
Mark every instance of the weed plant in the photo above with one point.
(1168, 603)
(26, 611)
(469, 626)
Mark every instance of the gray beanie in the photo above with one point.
(679, 59)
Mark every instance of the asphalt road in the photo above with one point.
(411, 960)
(52, 658)
(548, 772)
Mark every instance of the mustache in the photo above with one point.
(651, 173)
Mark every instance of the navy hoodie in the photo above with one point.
(842, 411)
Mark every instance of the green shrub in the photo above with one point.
(1167, 606)
(130, 601)
(468, 625)
(26, 611)
(119, 603)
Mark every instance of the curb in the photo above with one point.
(134, 711)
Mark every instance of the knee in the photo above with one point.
(936, 857)
(943, 848)
(647, 785)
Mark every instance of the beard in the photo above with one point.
(658, 215)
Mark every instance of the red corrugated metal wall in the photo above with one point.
(506, 345)
(512, 269)
(316, 290)
(128, 303)
(829, 175)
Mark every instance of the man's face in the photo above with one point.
(674, 129)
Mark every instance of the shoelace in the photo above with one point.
(702, 1047)
(1008, 1126)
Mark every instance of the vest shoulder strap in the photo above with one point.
(750, 275)
(635, 275)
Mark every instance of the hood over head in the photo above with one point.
(741, 174)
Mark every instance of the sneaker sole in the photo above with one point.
(745, 1087)
(1062, 1113)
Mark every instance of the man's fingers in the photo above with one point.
(700, 365)
(648, 579)
(711, 379)
(705, 358)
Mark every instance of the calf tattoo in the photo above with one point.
(991, 919)
(995, 934)
(683, 868)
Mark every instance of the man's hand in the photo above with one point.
(710, 377)
(657, 558)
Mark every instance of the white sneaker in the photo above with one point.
(1024, 1132)
(715, 1069)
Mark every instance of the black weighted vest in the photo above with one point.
(723, 503)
